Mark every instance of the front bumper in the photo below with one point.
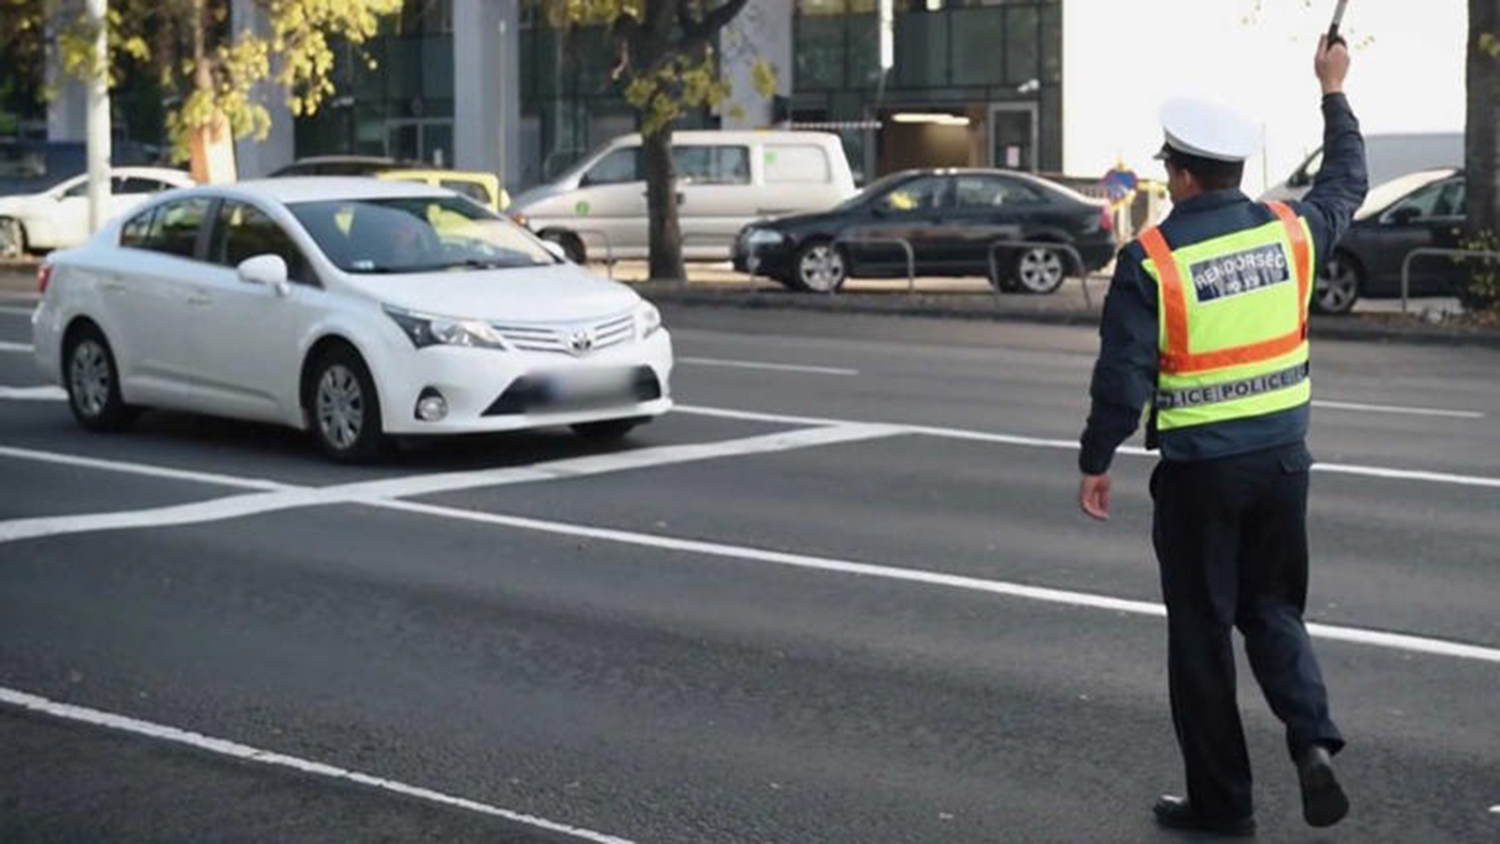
(490, 390)
(769, 259)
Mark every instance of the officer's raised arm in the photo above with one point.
(1342, 182)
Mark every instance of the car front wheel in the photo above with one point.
(1039, 270)
(345, 408)
(1336, 290)
(93, 383)
(820, 268)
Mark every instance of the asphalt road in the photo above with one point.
(843, 598)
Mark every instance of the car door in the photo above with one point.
(146, 294)
(1420, 220)
(717, 197)
(987, 209)
(611, 198)
(912, 211)
(246, 337)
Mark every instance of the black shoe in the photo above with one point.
(1323, 800)
(1177, 813)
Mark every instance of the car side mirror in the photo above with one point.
(1404, 216)
(1298, 179)
(269, 270)
(556, 250)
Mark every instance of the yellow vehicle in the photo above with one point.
(483, 188)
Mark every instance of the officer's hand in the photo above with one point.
(1093, 496)
(1331, 64)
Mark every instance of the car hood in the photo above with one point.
(534, 196)
(812, 220)
(559, 293)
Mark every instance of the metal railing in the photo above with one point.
(1066, 248)
(1432, 251)
(911, 258)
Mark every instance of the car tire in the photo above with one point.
(1337, 288)
(92, 381)
(1038, 270)
(344, 408)
(571, 245)
(606, 431)
(820, 267)
(12, 238)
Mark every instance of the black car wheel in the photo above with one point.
(93, 382)
(571, 245)
(1337, 288)
(819, 268)
(344, 408)
(1039, 270)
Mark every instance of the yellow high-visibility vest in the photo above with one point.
(1232, 322)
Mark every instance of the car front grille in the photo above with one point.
(571, 339)
(537, 393)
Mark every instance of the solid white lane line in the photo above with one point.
(775, 367)
(1376, 638)
(147, 469)
(6, 309)
(1134, 451)
(1390, 408)
(33, 393)
(286, 496)
(243, 752)
(24, 348)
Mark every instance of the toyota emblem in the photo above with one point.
(581, 341)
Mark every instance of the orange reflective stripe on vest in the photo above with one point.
(1176, 356)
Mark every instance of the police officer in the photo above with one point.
(1206, 319)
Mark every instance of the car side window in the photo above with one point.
(1421, 204)
(174, 230)
(80, 189)
(244, 231)
(1451, 200)
(921, 194)
(712, 165)
(619, 167)
(472, 190)
(139, 184)
(978, 193)
(137, 230)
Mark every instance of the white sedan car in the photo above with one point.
(58, 217)
(355, 308)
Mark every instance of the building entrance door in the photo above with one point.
(430, 140)
(1013, 136)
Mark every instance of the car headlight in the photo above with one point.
(647, 320)
(763, 237)
(428, 330)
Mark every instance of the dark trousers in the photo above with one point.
(1231, 539)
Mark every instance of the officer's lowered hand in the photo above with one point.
(1331, 64)
(1093, 496)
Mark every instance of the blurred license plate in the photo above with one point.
(586, 385)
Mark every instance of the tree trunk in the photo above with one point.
(1481, 141)
(661, 203)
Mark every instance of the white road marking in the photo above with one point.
(1375, 638)
(1495, 809)
(5, 309)
(33, 393)
(235, 750)
(25, 348)
(1390, 408)
(286, 496)
(777, 367)
(1072, 445)
(141, 469)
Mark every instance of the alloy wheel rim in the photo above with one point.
(1041, 269)
(341, 407)
(822, 268)
(1336, 291)
(89, 376)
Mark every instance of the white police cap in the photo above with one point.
(1208, 130)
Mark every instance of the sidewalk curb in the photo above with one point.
(1385, 328)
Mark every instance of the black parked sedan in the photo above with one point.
(1423, 209)
(951, 218)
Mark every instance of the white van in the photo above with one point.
(1386, 156)
(725, 180)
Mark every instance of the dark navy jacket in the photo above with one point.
(1125, 375)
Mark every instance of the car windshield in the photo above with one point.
(875, 188)
(1382, 196)
(417, 234)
